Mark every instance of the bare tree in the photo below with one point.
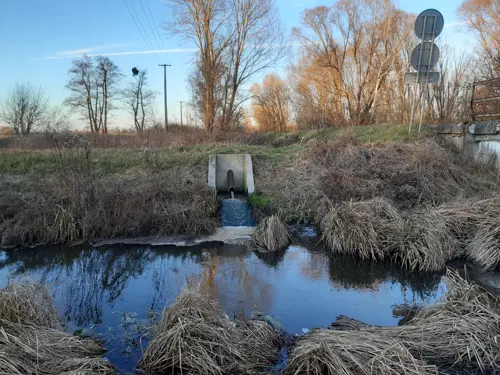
(25, 108)
(482, 19)
(84, 96)
(257, 44)
(236, 39)
(108, 76)
(355, 45)
(207, 92)
(452, 95)
(270, 103)
(92, 84)
(204, 23)
(138, 100)
(56, 120)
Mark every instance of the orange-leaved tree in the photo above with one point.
(482, 19)
(270, 103)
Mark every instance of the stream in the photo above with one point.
(115, 291)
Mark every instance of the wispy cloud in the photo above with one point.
(453, 24)
(85, 51)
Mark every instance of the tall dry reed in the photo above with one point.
(458, 334)
(195, 337)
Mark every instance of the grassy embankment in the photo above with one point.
(73, 193)
(374, 191)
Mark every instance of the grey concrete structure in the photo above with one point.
(240, 164)
(478, 140)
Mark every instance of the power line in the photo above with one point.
(141, 29)
(151, 21)
(157, 32)
(153, 18)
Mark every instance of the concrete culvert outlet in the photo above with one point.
(240, 166)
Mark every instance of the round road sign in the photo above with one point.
(434, 24)
(428, 60)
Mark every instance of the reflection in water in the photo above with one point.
(271, 258)
(298, 287)
(105, 277)
(352, 273)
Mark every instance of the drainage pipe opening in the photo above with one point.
(230, 181)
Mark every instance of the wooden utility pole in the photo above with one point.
(105, 94)
(181, 111)
(165, 92)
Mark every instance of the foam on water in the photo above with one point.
(236, 213)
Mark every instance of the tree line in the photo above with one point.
(95, 91)
(350, 59)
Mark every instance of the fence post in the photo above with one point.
(472, 101)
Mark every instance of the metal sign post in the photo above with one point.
(426, 85)
(428, 52)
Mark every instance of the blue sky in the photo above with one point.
(39, 39)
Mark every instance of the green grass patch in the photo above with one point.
(23, 162)
(379, 133)
(388, 133)
(113, 161)
(258, 201)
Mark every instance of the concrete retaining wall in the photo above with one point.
(479, 140)
(240, 164)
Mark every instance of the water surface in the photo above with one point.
(113, 291)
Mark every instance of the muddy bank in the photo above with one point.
(225, 235)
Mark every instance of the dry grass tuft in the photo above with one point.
(353, 352)
(194, 337)
(31, 342)
(33, 350)
(422, 242)
(484, 248)
(271, 234)
(361, 229)
(458, 334)
(475, 226)
(423, 239)
(29, 304)
(376, 230)
(345, 323)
